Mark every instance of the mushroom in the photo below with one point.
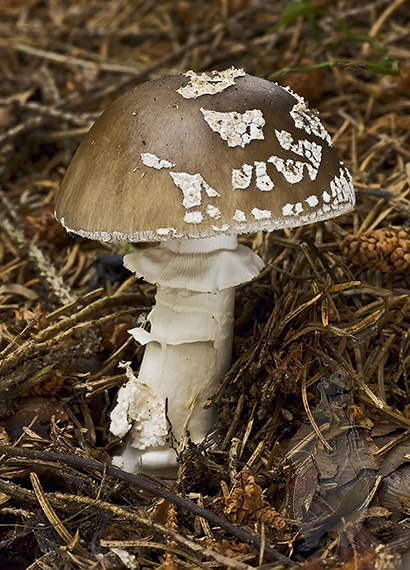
(191, 161)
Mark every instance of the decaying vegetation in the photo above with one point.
(322, 305)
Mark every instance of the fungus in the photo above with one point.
(191, 161)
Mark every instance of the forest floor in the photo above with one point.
(326, 306)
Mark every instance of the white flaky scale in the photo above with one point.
(192, 186)
(263, 180)
(287, 209)
(309, 149)
(312, 200)
(340, 186)
(167, 233)
(154, 161)
(292, 209)
(339, 197)
(217, 154)
(261, 214)
(209, 84)
(193, 217)
(242, 177)
(293, 170)
(237, 129)
(239, 216)
(213, 212)
(308, 120)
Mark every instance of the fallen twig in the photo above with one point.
(150, 485)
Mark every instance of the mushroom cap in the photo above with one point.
(202, 155)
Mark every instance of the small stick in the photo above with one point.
(311, 418)
(51, 515)
(149, 485)
(31, 123)
(20, 335)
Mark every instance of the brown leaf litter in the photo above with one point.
(317, 308)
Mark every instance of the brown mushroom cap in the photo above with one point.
(200, 155)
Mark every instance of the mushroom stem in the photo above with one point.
(188, 349)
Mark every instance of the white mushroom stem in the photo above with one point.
(188, 349)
